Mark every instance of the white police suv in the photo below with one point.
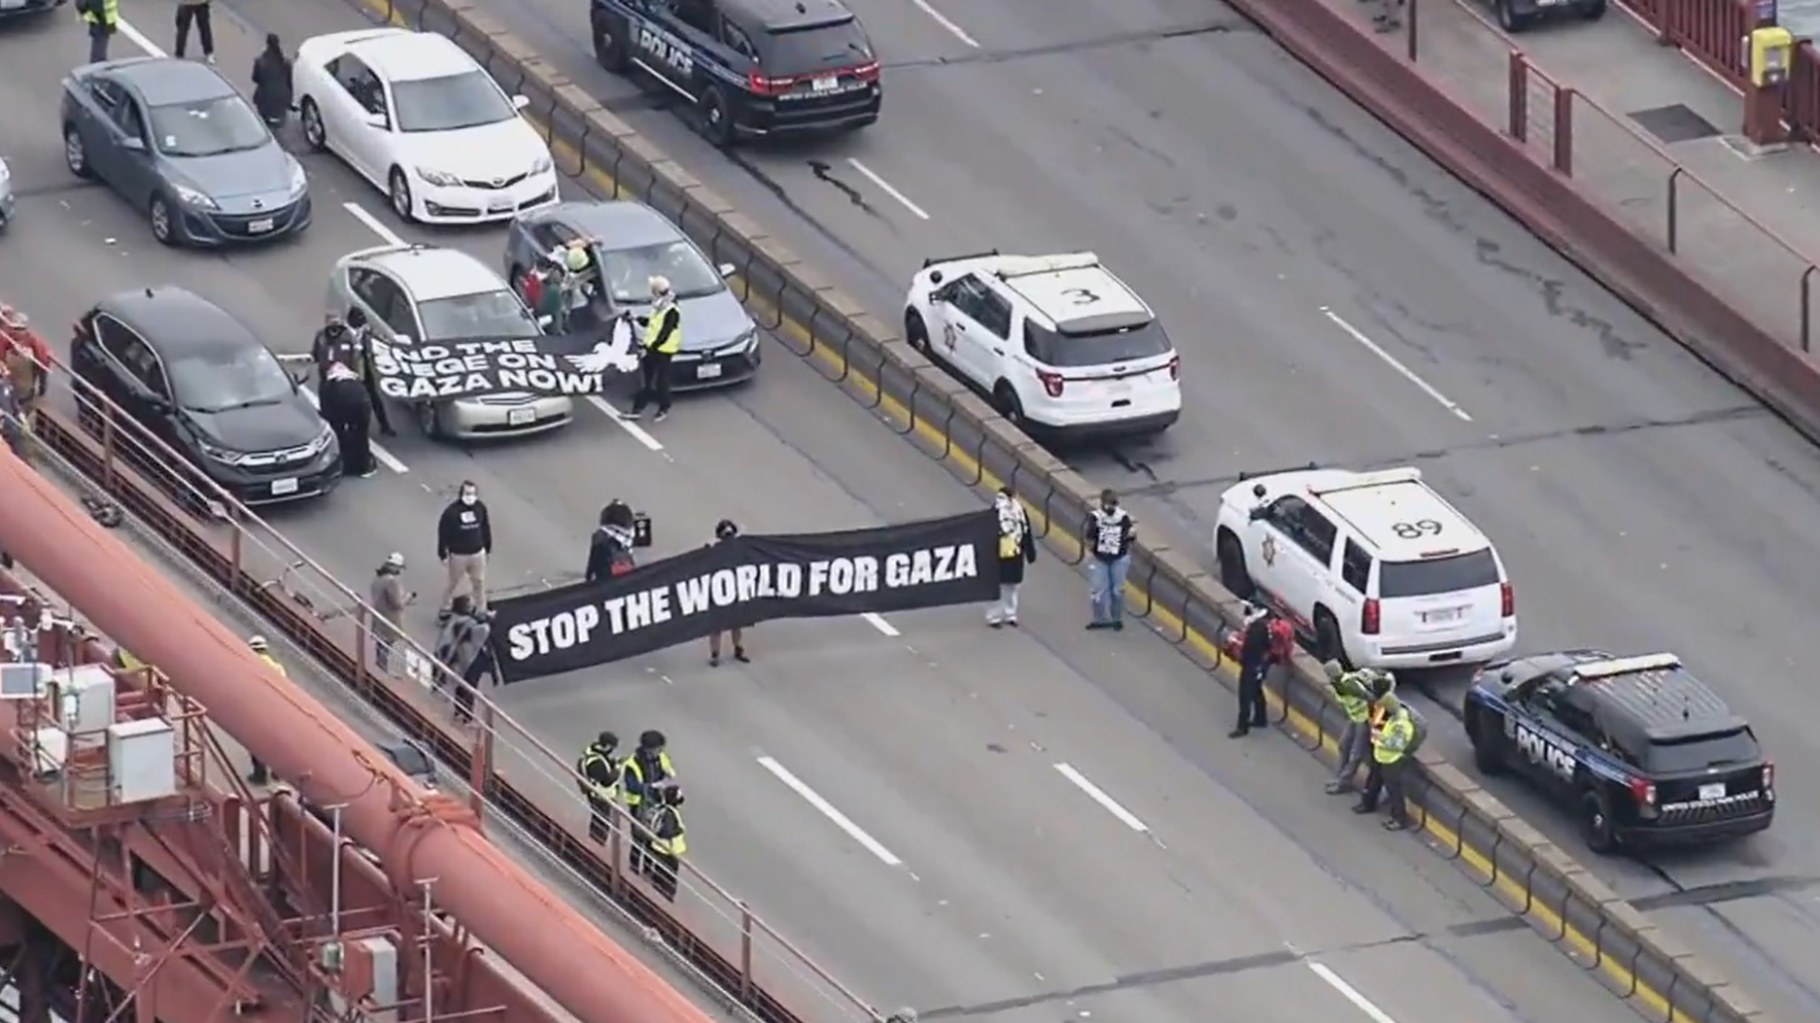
(1374, 568)
(1058, 343)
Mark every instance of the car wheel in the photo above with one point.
(1595, 825)
(75, 153)
(610, 46)
(429, 419)
(716, 117)
(1233, 573)
(164, 227)
(1328, 646)
(400, 191)
(1004, 399)
(1485, 755)
(314, 134)
(1593, 11)
(917, 333)
(1509, 20)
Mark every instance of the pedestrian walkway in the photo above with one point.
(1654, 136)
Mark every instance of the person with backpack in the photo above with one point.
(610, 549)
(1267, 640)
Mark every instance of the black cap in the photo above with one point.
(607, 739)
(725, 528)
(357, 317)
(651, 739)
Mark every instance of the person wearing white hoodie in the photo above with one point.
(1016, 549)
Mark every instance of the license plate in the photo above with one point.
(521, 416)
(501, 207)
(283, 487)
(1448, 615)
(260, 226)
(1714, 791)
(708, 370)
(828, 84)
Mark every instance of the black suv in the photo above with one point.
(1643, 751)
(747, 68)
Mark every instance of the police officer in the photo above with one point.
(669, 841)
(601, 774)
(647, 774)
(1391, 744)
(1353, 691)
(662, 340)
(102, 17)
(260, 775)
(1254, 664)
(349, 394)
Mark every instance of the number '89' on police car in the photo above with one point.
(1638, 748)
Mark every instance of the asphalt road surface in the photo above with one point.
(1005, 825)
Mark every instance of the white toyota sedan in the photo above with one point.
(415, 115)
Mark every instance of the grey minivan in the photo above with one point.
(176, 140)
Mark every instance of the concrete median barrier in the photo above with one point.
(866, 359)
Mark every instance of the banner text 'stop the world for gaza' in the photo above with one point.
(729, 586)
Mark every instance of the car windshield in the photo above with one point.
(223, 378)
(1699, 752)
(629, 272)
(449, 103)
(489, 314)
(1099, 348)
(208, 127)
(1437, 575)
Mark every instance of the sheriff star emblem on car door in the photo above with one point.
(949, 337)
(1270, 550)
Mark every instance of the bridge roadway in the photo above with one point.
(987, 884)
(1641, 502)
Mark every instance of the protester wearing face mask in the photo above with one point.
(464, 538)
(1110, 532)
(1016, 548)
(610, 550)
(724, 531)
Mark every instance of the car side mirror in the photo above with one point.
(1260, 513)
(380, 121)
(727, 269)
(133, 145)
(520, 102)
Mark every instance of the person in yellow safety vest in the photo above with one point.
(647, 773)
(1360, 694)
(669, 841)
(259, 775)
(1391, 743)
(662, 340)
(602, 778)
(103, 19)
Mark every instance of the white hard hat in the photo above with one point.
(256, 642)
(660, 285)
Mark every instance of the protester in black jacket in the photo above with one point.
(726, 530)
(464, 538)
(272, 91)
(610, 550)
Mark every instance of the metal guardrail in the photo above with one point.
(512, 777)
(873, 365)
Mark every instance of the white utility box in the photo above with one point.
(50, 751)
(23, 681)
(142, 760)
(85, 703)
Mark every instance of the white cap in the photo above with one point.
(660, 285)
(256, 642)
(395, 559)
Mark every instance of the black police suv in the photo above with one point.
(748, 68)
(202, 383)
(1642, 750)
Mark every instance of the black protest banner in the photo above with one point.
(744, 581)
(571, 364)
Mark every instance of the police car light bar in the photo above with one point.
(1627, 666)
(1024, 266)
(1365, 480)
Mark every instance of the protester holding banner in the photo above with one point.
(368, 371)
(610, 550)
(726, 530)
(464, 538)
(1016, 548)
(461, 646)
(662, 340)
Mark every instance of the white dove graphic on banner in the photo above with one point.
(614, 354)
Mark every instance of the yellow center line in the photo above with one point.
(1206, 649)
